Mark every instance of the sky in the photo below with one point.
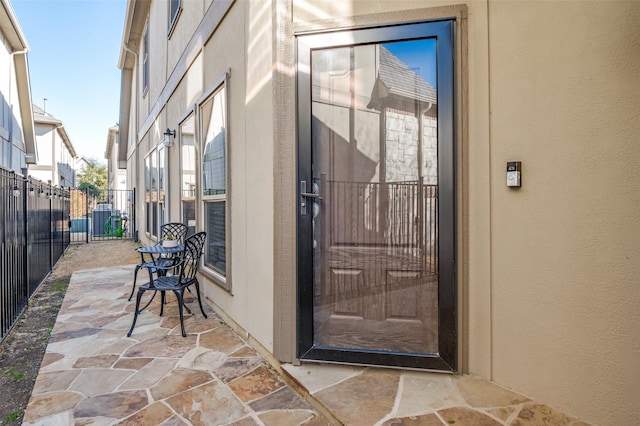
(74, 46)
(419, 55)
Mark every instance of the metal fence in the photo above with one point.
(97, 215)
(34, 233)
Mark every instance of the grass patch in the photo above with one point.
(60, 286)
(15, 375)
(13, 416)
(50, 328)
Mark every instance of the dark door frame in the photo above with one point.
(447, 357)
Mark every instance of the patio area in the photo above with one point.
(93, 374)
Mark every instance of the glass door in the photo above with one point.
(376, 194)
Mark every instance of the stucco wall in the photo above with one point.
(549, 271)
(552, 267)
(11, 138)
(565, 86)
(245, 28)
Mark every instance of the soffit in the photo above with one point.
(135, 19)
(10, 27)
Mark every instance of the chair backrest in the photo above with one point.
(177, 229)
(193, 247)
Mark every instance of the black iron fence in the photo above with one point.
(34, 233)
(97, 215)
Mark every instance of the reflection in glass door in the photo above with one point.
(377, 160)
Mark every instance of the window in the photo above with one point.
(145, 60)
(188, 186)
(148, 195)
(155, 190)
(213, 113)
(174, 10)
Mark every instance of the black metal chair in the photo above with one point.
(177, 231)
(184, 277)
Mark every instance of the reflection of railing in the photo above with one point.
(402, 216)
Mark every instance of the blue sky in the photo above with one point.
(74, 47)
(419, 55)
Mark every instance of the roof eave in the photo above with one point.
(65, 138)
(135, 19)
(11, 29)
(111, 140)
(26, 108)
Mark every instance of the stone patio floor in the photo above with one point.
(92, 374)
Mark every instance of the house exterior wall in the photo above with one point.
(116, 177)
(550, 294)
(250, 127)
(55, 162)
(12, 147)
(547, 273)
(565, 256)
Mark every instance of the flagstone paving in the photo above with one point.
(92, 374)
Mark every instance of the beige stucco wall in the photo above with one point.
(551, 283)
(548, 271)
(564, 100)
(246, 28)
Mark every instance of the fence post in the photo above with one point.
(86, 213)
(25, 218)
(50, 198)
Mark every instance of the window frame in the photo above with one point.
(222, 84)
(156, 205)
(190, 197)
(145, 60)
(173, 15)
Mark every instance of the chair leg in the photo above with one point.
(135, 313)
(162, 302)
(180, 302)
(200, 301)
(135, 277)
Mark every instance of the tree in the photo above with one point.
(94, 179)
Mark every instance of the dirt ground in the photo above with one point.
(22, 351)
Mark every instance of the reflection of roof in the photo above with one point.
(400, 80)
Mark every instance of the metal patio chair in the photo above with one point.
(178, 231)
(183, 278)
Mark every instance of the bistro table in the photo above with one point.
(160, 256)
(158, 250)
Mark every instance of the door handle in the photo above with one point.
(311, 195)
(304, 195)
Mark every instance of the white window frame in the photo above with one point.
(145, 60)
(219, 88)
(158, 201)
(188, 195)
(175, 7)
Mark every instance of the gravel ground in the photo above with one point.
(22, 351)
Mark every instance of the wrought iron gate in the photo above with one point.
(102, 215)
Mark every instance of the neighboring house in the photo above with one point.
(17, 134)
(116, 177)
(57, 157)
(348, 160)
(81, 167)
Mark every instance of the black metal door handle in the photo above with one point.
(311, 195)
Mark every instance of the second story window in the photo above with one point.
(145, 60)
(174, 9)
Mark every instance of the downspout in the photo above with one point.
(135, 124)
(135, 142)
